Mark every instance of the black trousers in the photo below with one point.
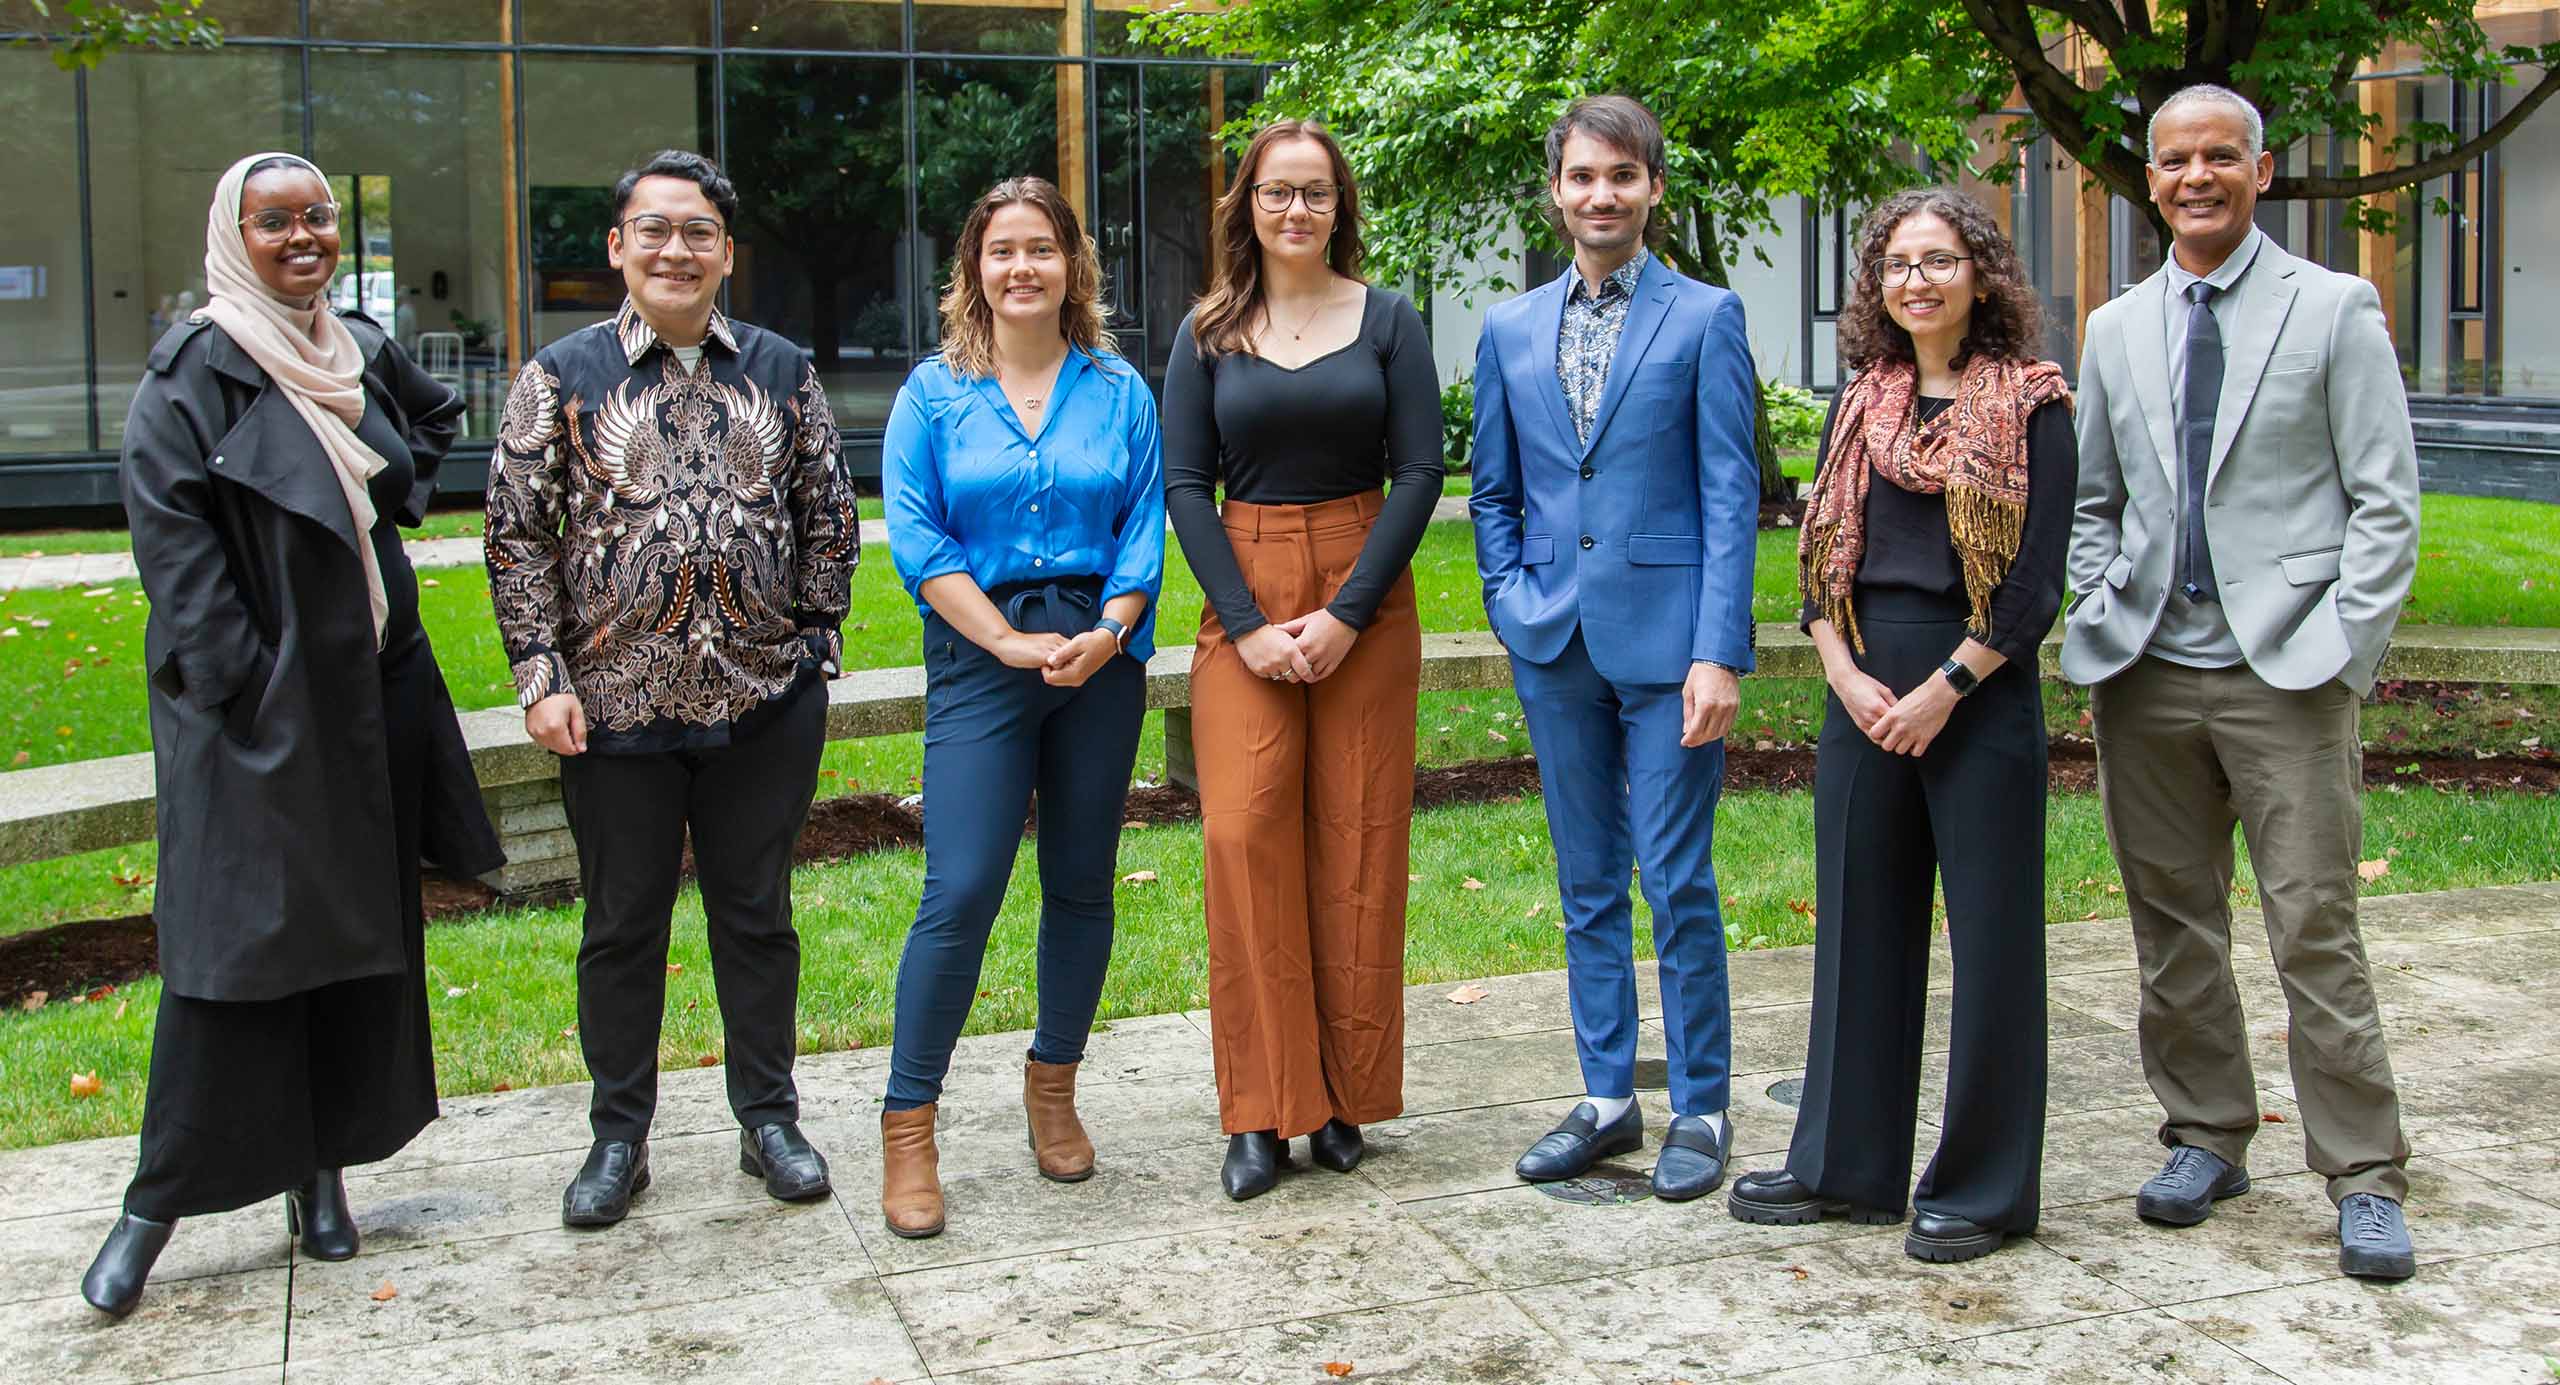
(249, 1098)
(744, 804)
(1970, 812)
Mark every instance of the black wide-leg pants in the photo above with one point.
(1970, 812)
(744, 803)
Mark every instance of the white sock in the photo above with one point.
(1609, 1107)
(1724, 1130)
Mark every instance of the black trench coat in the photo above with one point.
(278, 870)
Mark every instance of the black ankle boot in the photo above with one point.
(1253, 1163)
(1337, 1146)
(317, 1212)
(114, 1281)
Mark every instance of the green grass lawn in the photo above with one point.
(502, 986)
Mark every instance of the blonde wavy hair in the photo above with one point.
(968, 320)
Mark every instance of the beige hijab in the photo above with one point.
(305, 350)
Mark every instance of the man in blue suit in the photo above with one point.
(1616, 502)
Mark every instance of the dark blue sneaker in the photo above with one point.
(1569, 1150)
(2183, 1192)
(2373, 1238)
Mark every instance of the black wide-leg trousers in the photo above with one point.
(1968, 812)
(744, 804)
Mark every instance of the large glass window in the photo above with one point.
(445, 21)
(818, 149)
(587, 120)
(419, 144)
(162, 128)
(1005, 26)
(621, 23)
(976, 124)
(44, 346)
(856, 24)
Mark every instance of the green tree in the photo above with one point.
(90, 31)
(2295, 60)
(1443, 109)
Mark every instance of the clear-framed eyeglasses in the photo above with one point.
(650, 232)
(1934, 269)
(1275, 196)
(276, 223)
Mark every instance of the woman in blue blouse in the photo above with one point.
(1026, 515)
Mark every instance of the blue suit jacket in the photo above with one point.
(1644, 539)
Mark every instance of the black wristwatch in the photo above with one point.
(1959, 677)
(1118, 632)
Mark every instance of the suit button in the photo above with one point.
(1587, 473)
(1587, 540)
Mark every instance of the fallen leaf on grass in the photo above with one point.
(1413, 879)
(34, 1000)
(429, 582)
(1468, 994)
(675, 968)
(1139, 877)
(1534, 911)
(386, 1293)
(1472, 883)
(85, 1085)
(502, 1086)
(1496, 735)
(708, 1060)
(1800, 906)
(1337, 1369)
(569, 1033)
(2370, 871)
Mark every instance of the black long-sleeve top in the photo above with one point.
(1339, 425)
(1908, 546)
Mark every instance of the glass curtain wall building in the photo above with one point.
(475, 143)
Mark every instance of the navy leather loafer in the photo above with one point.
(1569, 1150)
(1692, 1162)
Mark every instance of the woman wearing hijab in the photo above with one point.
(307, 754)
(1932, 559)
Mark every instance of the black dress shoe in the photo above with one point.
(601, 1193)
(1938, 1237)
(317, 1212)
(1254, 1160)
(792, 1170)
(2183, 1192)
(114, 1281)
(1569, 1150)
(1774, 1197)
(1337, 1146)
(1692, 1160)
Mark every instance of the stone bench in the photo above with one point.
(59, 810)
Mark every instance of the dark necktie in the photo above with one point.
(2195, 446)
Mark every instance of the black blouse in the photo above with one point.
(389, 490)
(1909, 548)
(1339, 425)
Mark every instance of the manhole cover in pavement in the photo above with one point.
(1652, 1074)
(1607, 1185)
(1789, 1092)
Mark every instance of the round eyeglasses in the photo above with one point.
(701, 234)
(276, 223)
(1934, 269)
(1275, 196)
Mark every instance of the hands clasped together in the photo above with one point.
(1305, 650)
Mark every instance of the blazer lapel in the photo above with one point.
(273, 452)
(1548, 324)
(2264, 298)
(2146, 346)
(1644, 318)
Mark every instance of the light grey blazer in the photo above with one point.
(2312, 493)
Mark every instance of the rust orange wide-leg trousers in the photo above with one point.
(1306, 803)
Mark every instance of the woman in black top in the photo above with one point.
(1303, 389)
(307, 752)
(1932, 569)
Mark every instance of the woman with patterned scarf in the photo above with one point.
(1932, 561)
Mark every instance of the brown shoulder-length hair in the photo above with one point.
(2007, 318)
(1222, 321)
(968, 320)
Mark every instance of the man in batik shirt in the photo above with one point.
(671, 544)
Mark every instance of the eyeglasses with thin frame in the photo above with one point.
(649, 231)
(276, 223)
(1275, 196)
(1934, 269)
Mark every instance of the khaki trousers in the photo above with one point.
(2183, 754)
(1306, 806)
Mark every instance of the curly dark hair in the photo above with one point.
(2007, 318)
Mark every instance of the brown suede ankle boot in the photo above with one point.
(910, 1173)
(1057, 1137)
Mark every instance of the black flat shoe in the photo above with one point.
(317, 1213)
(792, 1170)
(1569, 1150)
(1937, 1237)
(1337, 1146)
(615, 1172)
(1773, 1197)
(114, 1281)
(1254, 1160)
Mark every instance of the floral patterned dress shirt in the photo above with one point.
(1588, 341)
(674, 545)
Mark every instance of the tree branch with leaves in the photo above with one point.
(90, 31)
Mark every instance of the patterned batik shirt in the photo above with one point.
(674, 545)
(1588, 341)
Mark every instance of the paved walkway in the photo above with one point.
(93, 569)
(1430, 1264)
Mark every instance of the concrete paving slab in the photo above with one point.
(50, 1180)
(1519, 1237)
(1471, 1150)
(2533, 1170)
(41, 1256)
(2448, 1110)
(1131, 1293)
(2103, 1156)
(2480, 1321)
(2096, 1073)
(2146, 1346)
(223, 1322)
(472, 1201)
(1498, 1072)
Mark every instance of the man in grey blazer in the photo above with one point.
(2247, 527)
